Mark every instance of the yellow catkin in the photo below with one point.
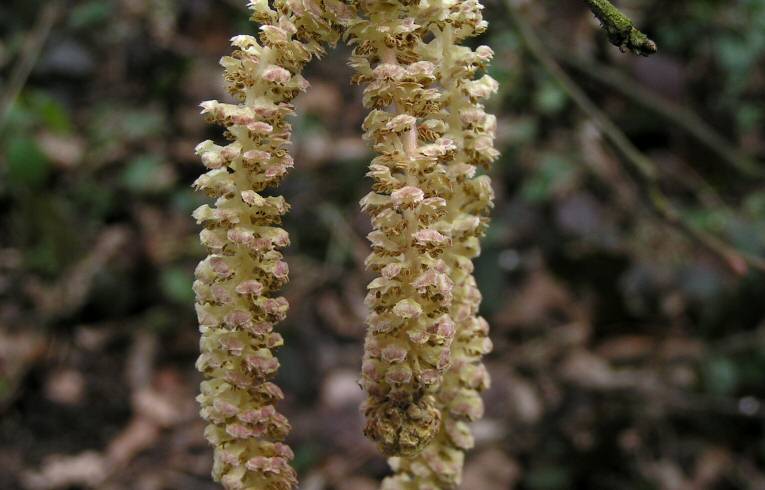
(427, 209)
(422, 366)
(472, 131)
(235, 285)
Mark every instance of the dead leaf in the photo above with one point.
(84, 469)
(491, 470)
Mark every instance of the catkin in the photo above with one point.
(472, 131)
(409, 329)
(427, 209)
(422, 367)
(235, 285)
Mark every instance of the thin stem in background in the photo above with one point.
(30, 53)
(737, 260)
(675, 113)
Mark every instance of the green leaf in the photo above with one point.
(522, 131)
(749, 117)
(185, 201)
(175, 283)
(550, 98)
(27, 164)
(720, 376)
(141, 124)
(549, 477)
(90, 14)
(145, 174)
(50, 112)
(554, 173)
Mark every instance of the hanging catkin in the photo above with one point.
(235, 285)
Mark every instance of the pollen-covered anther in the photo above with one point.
(407, 197)
(260, 127)
(249, 288)
(430, 376)
(398, 374)
(421, 71)
(241, 237)
(380, 323)
(485, 53)
(262, 362)
(220, 294)
(281, 270)
(407, 309)
(430, 238)
(275, 307)
(394, 353)
(238, 318)
(441, 148)
(254, 416)
(252, 198)
(232, 344)
(391, 270)
(276, 74)
(275, 465)
(252, 157)
(433, 279)
(389, 71)
(219, 265)
(443, 329)
(401, 123)
(482, 88)
(403, 431)
(213, 159)
(225, 408)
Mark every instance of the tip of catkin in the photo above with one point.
(403, 431)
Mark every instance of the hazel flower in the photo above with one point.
(470, 132)
(405, 356)
(407, 196)
(235, 285)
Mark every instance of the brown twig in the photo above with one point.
(30, 52)
(737, 260)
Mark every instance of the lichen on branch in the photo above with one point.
(620, 29)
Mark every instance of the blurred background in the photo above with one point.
(623, 286)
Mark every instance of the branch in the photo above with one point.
(672, 111)
(737, 260)
(30, 52)
(621, 31)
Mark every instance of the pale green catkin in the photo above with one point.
(235, 285)
(439, 465)
(422, 366)
(428, 210)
